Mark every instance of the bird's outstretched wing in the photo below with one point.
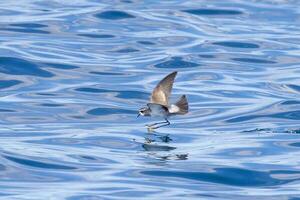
(162, 91)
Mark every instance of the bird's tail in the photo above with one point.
(183, 105)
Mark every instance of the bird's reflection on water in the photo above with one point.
(156, 145)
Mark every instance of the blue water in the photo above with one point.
(74, 73)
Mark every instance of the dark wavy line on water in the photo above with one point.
(231, 176)
(212, 11)
(38, 164)
(18, 66)
(8, 83)
(237, 44)
(23, 30)
(29, 25)
(114, 15)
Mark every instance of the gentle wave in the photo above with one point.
(73, 76)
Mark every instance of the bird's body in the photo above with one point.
(159, 102)
(157, 110)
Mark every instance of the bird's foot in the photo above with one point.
(150, 128)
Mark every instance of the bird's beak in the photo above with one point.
(138, 115)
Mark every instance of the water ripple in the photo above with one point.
(235, 44)
(254, 60)
(176, 62)
(8, 83)
(114, 15)
(37, 164)
(17, 66)
(212, 11)
(232, 176)
(75, 74)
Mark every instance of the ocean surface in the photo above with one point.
(73, 75)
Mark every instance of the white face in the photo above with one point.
(144, 111)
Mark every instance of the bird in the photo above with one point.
(159, 105)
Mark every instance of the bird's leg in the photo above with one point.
(165, 123)
(150, 125)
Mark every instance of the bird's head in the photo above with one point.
(145, 111)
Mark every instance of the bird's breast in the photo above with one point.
(159, 111)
